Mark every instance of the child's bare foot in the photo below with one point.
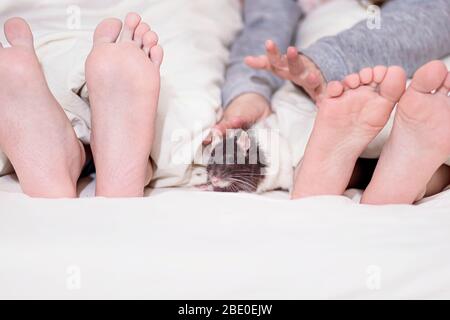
(420, 140)
(123, 80)
(351, 116)
(35, 133)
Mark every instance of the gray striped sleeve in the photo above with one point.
(412, 33)
(263, 20)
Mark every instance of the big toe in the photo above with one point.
(394, 84)
(430, 77)
(18, 32)
(108, 31)
(131, 23)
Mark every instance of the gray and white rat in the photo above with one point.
(236, 163)
(255, 161)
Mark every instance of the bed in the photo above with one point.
(181, 243)
(187, 244)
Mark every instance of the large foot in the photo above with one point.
(349, 118)
(35, 133)
(420, 140)
(123, 79)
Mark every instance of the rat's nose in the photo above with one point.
(215, 180)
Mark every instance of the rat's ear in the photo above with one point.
(244, 141)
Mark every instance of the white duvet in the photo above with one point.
(187, 244)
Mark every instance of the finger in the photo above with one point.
(273, 53)
(210, 137)
(284, 62)
(313, 80)
(295, 64)
(207, 140)
(260, 62)
(232, 123)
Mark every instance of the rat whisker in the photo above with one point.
(241, 178)
(244, 176)
(243, 183)
(246, 184)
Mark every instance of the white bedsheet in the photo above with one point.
(187, 244)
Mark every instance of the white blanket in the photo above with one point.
(182, 244)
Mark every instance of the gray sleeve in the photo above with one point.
(263, 19)
(412, 33)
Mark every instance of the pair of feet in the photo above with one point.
(122, 74)
(353, 113)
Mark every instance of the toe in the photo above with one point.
(157, 54)
(394, 84)
(366, 75)
(430, 77)
(447, 81)
(352, 81)
(141, 30)
(334, 89)
(445, 89)
(107, 31)
(379, 72)
(131, 23)
(150, 40)
(18, 32)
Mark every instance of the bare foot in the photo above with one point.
(351, 116)
(35, 133)
(420, 140)
(123, 79)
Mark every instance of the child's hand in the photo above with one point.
(242, 113)
(292, 67)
